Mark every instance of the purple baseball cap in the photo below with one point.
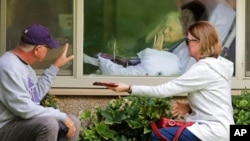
(36, 34)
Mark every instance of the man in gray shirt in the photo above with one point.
(22, 118)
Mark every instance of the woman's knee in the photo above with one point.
(153, 137)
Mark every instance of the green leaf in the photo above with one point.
(104, 131)
(84, 115)
(243, 103)
(113, 117)
(126, 118)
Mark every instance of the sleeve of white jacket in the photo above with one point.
(153, 63)
(90, 60)
(193, 80)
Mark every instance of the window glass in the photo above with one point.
(247, 39)
(146, 38)
(0, 13)
(54, 14)
(0, 18)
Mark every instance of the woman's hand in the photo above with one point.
(121, 87)
(159, 28)
(158, 41)
(180, 108)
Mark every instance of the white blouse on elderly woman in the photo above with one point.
(153, 63)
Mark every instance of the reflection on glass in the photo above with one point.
(143, 35)
(247, 39)
(57, 17)
(0, 14)
(112, 46)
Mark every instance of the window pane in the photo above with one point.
(55, 14)
(124, 30)
(247, 39)
(0, 14)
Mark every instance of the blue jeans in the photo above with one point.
(169, 133)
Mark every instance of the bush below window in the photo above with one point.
(128, 118)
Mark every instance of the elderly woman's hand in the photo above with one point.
(158, 41)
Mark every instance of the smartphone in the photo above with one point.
(108, 84)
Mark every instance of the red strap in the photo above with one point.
(182, 126)
(156, 131)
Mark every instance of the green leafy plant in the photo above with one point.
(241, 106)
(124, 119)
(49, 101)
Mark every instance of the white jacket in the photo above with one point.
(153, 63)
(208, 84)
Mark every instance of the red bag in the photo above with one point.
(166, 122)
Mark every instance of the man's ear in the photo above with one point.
(36, 49)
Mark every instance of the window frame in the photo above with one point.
(82, 84)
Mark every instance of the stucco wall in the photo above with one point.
(75, 104)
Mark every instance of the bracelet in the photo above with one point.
(129, 90)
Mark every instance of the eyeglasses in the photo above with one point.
(190, 40)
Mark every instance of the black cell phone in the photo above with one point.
(107, 84)
(63, 130)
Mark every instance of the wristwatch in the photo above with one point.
(129, 90)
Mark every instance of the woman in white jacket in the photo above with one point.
(208, 87)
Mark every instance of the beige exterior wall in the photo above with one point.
(75, 103)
